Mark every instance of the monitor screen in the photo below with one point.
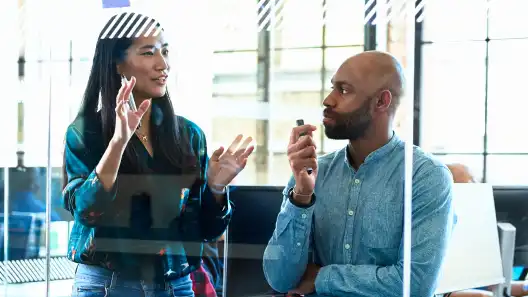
(255, 212)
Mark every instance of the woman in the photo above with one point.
(143, 192)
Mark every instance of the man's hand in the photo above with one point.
(302, 154)
(307, 284)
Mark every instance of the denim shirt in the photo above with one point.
(355, 227)
(117, 229)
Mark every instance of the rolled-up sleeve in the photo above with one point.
(84, 195)
(286, 255)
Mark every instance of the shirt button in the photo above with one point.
(347, 246)
(357, 181)
(303, 216)
(298, 244)
(350, 213)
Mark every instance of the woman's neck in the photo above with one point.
(145, 120)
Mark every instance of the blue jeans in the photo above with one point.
(93, 281)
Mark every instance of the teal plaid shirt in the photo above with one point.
(120, 229)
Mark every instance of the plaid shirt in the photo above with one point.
(114, 229)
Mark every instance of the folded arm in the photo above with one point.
(91, 185)
(432, 221)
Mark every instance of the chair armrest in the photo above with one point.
(507, 247)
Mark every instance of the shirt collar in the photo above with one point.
(380, 152)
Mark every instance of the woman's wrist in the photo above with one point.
(118, 144)
(217, 191)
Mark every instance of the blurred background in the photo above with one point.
(239, 68)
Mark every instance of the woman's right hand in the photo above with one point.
(127, 120)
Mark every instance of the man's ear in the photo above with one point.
(119, 69)
(385, 100)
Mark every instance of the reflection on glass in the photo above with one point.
(503, 87)
(453, 93)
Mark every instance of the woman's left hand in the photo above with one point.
(224, 166)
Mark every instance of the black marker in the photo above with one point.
(300, 122)
(131, 101)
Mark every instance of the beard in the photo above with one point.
(351, 125)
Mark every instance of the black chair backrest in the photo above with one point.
(511, 205)
(253, 222)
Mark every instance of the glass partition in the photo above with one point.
(379, 225)
(466, 84)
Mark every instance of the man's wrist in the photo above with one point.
(299, 200)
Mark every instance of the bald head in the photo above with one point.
(376, 71)
(461, 173)
(366, 91)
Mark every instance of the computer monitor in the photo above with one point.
(255, 213)
(24, 236)
(511, 204)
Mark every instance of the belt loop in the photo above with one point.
(113, 280)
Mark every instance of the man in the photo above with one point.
(461, 173)
(349, 210)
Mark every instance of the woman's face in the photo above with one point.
(147, 60)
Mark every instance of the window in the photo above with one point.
(344, 22)
(453, 20)
(235, 63)
(294, 60)
(234, 24)
(475, 163)
(507, 170)
(301, 24)
(453, 92)
(235, 76)
(458, 105)
(62, 102)
(506, 106)
(334, 57)
(296, 92)
(507, 19)
(296, 78)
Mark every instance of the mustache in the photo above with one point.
(329, 113)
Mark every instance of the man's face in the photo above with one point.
(350, 125)
(348, 112)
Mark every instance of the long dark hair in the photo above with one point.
(169, 140)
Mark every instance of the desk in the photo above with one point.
(58, 288)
